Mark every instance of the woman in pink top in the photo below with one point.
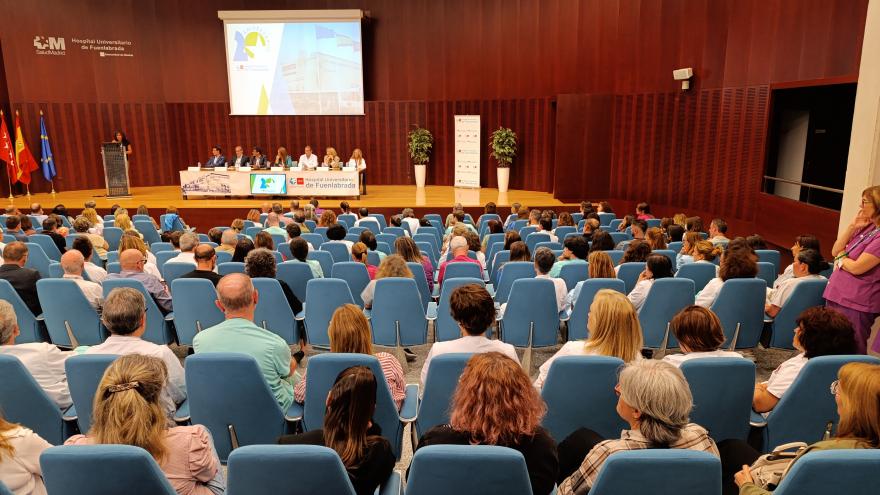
(127, 412)
(359, 254)
(854, 286)
(409, 250)
(20, 450)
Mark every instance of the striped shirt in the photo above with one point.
(392, 370)
(693, 437)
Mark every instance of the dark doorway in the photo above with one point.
(809, 143)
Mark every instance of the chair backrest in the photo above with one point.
(619, 237)
(102, 470)
(740, 305)
(593, 406)
(387, 239)
(145, 227)
(31, 329)
(534, 238)
(162, 257)
(323, 296)
(112, 235)
(25, 402)
(806, 294)
(324, 259)
(339, 251)
(616, 255)
(273, 312)
(668, 253)
(572, 273)
(468, 470)
(563, 231)
(145, 218)
(381, 219)
(272, 469)
(371, 224)
(666, 471)
(323, 370)
(426, 237)
(230, 267)
(112, 256)
(279, 239)
(314, 239)
(37, 259)
(84, 373)
(224, 256)
(445, 328)
(174, 270)
(459, 269)
(158, 331)
(803, 412)
(348, 219)
(227, 391)
(398, 316)
(492, 249)
(296, 275)
(531, 318)
(440, 385)
(311, 225)
(352, 237)
(606, 219)
(284, 249)
(430, 251)
(471, 254)
(48, 245)
(553, 246)
(384, 247)
(195, 308)
(355, 275)
(421, 279)
(158, 247)
(853, 472)
(665, 299)
(771, 256)
(700, 273)
(433, 216)
(252, 231)
(722, 389)
(629, 273)
(767, 272)
(69, 314)
(114, 267)
(395, 231)
(513, 271)
(322, 231)
(500, 259)
(526, 231)
(580, 313)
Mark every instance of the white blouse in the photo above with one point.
(362, 165)
(639, 293)
(707, 296)
(677, 359)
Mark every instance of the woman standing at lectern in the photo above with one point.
(357, 161)
(120, 138)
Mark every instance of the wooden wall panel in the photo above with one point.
(582, 162)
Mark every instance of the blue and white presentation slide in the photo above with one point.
(295, 68)
(268, 184)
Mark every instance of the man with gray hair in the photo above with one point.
(228, 240)
(237, 299)
(125, 316)
(73, 262)
(273, 225)
(37, 213)
(408, 217)
(279, 210)
(43, 360)
(458, 246)
(188, 242)
(131, 264)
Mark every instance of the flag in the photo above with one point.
(48, 161)
(343, 40)
(322, 33)
(23, 156)
(6, 150)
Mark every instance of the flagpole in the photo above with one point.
(8, 175)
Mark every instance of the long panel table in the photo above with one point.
(207, 182)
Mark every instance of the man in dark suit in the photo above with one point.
(258, 160)
(13, 228)
(206, 261)
(239, 159)
(217, 159)
(23, 280)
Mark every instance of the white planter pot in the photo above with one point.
(503, 178)
(420, 175)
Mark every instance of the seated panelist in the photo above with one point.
(258, 159)
(331, 159)
(240, 159)
(308, 160)
(282, 159)
(217, 159)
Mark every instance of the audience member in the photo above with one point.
(84, 246)
(699, 334)
(591, 226)
(368, 238)
(806, 241)
(228, 240)
(757, 242)
(717, 231)
(263, 240)
(739, 261)
(694, 224)
(408, 217)
(253, 216)
(637, 251)
(613, 329)
(512, 217)
(81, 226)
(242, 249)
(26, 225)
(128, 411)
(336, 233)
(206, 264)
(820, 331)
(299, 249)
(73, 263)
(23, 280)
(574, 252)
(675, 233)
(188, 243)
(473, 241)
(409, 251)
(261, 263)
(392, 266)
(643, 211)
(131, 264)
(808, 265)
(173, 222)
(544, 259)
(96, 223)
(50, 228)
(125, 317)
(215, 235)
(13, 228)
(20, 450)
(492, 227)
(545, 226)
(459, 247)
(655, 237)
(44, 361)
(494, 405)
(602, 241)
(657, 266)
(135, 242)
(359, 254)
(450, 218)
(237, 299)
(655, 399)
(349, 332)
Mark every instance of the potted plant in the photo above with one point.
(503, 148)
(420, 143)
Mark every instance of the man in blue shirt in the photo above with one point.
(131, 264)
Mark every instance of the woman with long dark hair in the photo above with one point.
(350, 431)
(119, 137)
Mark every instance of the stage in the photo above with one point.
(206, 213)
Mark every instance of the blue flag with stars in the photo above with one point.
(47, 160)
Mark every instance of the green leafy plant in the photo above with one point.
(420, 143)
(503, 146)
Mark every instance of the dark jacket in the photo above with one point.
(24, 281)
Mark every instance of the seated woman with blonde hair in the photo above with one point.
(612, 330)
(20, 450)
(493, 404)
(127, 412)
(349, 331)
(331, 159)
(392, 266)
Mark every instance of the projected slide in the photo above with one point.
(268, 184)
(295, 68)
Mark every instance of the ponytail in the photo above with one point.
(359, 252)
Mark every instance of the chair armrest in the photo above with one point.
(301, 315)
(40, 317)
(768, 318)
(409, 411)
(391, 485)
(564, 316)
(69, 414)
(294, 412)
(169, 316)
(368, 313)
(431, 313)
(182, 414)
(490, 289)
(757, 420)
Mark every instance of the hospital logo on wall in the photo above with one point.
(50, 45)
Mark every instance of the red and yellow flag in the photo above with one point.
(23, 156)
(7, 150)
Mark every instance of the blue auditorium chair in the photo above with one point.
(323, 296)
(355, 275)
(159, 327)
(70, 319)
(102, 470)
(26, 403)
(666, 297)
(273, 311)
(440, 385)
(194, 307)
(722, 389)
(577, 321)
(468, 470)
(84, 373)
(665, 471)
